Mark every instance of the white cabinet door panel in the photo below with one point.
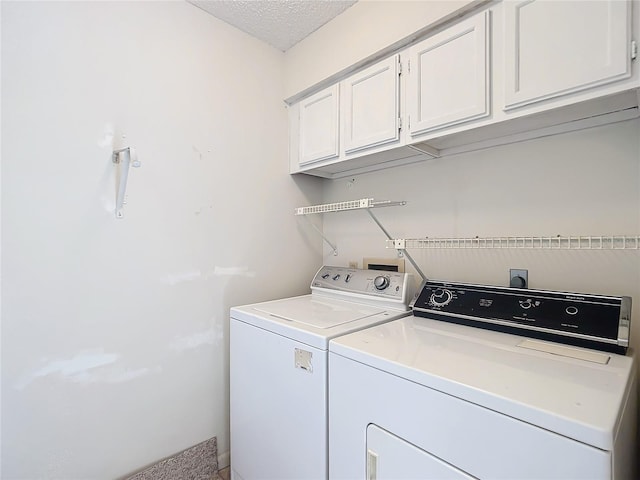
(448, 78)
(370, 108)
(319, 137)
(554, 48)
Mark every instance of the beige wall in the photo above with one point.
(115, 331)
(360, 31)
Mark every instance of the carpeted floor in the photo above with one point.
(199, 462)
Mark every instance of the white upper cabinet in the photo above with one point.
(448, 76)
(319, 126)
(506, 72)
(370, 106)
(555, 48)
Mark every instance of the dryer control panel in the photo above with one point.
(595, 321)
(357, 283)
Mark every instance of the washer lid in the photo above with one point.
(316, 312)
(312, 319)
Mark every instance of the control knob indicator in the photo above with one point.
(526, 304)
(440, 297)
(381, 282)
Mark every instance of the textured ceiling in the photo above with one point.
(280, 23)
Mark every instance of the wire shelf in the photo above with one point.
(347, 205)
(611, 242)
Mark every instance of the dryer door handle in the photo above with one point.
(372, 465)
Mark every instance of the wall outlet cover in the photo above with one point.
(519, 278)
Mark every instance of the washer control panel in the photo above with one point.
(593, 318)
(354, 281)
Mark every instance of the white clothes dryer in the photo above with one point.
(279, 368)
(420, 398)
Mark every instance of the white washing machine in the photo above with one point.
(430, 397)
(279, 368)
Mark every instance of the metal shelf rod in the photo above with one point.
(401, 251)
(598, 242)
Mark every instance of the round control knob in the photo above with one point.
(518, 282)
(440, 297)
(381, 282)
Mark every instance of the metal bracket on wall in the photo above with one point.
(363, 204)
(123, 158)
(401, 251)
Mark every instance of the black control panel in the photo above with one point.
(593, 321)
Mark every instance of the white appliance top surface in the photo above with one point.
(313, 319)
(316, 311)
(574, 397)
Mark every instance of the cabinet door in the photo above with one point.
(448, 76)
(319, 126)
(553, 48)
(370, 110)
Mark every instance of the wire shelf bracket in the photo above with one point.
(363, 204)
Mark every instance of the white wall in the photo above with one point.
(114, 332)
(360, 31)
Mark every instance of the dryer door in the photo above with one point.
(392, 458)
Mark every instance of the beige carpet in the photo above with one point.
(199, 462)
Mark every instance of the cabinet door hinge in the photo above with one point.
(399, 123)
(399, 67)
(409, 66)
(634, 49)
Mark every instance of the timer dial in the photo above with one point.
(440, 297)
(381, 282)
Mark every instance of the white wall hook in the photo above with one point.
(123, 158)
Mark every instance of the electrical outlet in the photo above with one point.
(518, 278)
(353, 264)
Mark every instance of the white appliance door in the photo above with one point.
(278, 406)
(392, 458)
